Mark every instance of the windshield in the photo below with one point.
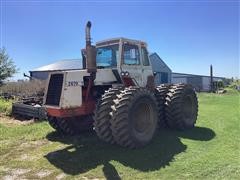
(107, 56)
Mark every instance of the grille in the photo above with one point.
(54, 89)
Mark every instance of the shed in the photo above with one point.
(162, 71)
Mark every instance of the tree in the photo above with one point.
(7, 66)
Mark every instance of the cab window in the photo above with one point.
(107, 56)
(131, 55)
(145, 56)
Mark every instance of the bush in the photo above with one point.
(6, 106)
(235, 84)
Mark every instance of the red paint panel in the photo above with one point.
(85, 109)
(128, 81)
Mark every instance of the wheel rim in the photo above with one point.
(142, 117)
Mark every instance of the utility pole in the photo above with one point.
(211, 78)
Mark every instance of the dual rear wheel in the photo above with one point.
(134, 117)
(127, 116)
(181, 107)
(130, 116)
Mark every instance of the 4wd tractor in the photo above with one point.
(115, 95)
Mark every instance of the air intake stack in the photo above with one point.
(90, 51)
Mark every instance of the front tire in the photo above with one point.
(134, 117)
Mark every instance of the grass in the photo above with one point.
(209, 151)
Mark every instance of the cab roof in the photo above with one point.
(117, 40)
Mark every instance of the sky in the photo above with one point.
(187, 35)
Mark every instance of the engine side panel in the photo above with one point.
(72, 87)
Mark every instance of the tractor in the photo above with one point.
(114, 93)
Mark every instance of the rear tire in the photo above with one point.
(161, 93)
(75, 125)
(181, 107)
(134, 117)
(66, 126)
(102, 115)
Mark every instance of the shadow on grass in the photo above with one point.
(86, 152)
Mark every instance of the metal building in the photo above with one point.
(199, 82)
(161, 70)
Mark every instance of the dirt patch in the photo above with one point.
(36, 143)
(26, 157)
(60, 176)
(85, 178)
(15, 173)
(43, 173)
(10, 121)
(23, 152)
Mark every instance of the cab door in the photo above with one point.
(131, 63)
(147, 73)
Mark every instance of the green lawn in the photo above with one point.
(209, 151)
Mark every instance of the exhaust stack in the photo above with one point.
(90, 51)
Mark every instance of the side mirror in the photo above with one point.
(154, 73)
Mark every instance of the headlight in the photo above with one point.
(125, 73)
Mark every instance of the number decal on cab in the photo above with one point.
(73, 83)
